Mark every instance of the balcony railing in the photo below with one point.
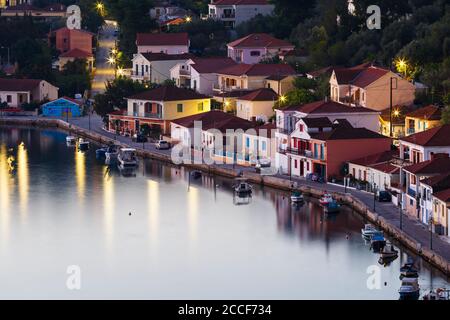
(184, 72)
(228, 16)
(152, 115)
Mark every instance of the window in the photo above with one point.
(8, 98)
(268, 85)
(180, 107)
(263, 146)
(200, 106)
(295, 163)
(255, 53)
(195, 84)
(146, 68)
(307, 166)
(301, 128)
(247, 142)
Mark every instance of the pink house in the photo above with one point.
(169, 43)
(256, 47)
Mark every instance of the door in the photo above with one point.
(302, 168)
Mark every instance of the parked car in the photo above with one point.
(139, 138)
(384, 196)
(162, 145)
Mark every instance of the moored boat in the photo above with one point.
(332, 207)
(127, 158)
(389, 252)
(196, 174)
(377, 242)
(409, 289)
(297, 197)
(111, 153)
(409, 271)
(368, 231)
(83, 145)
(243, 188)
(71, 141)
(100, 153)
(326, 198)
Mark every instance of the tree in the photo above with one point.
(445, 114)
(295, 97)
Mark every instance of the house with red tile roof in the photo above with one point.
(441, 212)
(155, 67)
(158, 107)
(66, 39)
(369, 86)
(430, 189)
(422, 119)
(438, 164)
(169, 43)
(377, 170)
(16, 92)
(327, 151)
(256, 105)
(234, 12)
(256, 47)
(398, 120)
(199, 74)
(75, 54)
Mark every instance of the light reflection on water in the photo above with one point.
(183, 240)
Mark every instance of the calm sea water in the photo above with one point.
(61, 208)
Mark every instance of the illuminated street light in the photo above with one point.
(282, 99)
(396, 113)
(120, 71)
(114, 51)
(111, 60)
(188, 19)
(401, 65)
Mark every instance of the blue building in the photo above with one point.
(62, 107)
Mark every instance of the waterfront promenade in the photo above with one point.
(391, 213)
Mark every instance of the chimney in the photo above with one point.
(439, 156)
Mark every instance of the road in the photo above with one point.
(104, 70)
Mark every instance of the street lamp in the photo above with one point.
(100, 7)
(188, 19)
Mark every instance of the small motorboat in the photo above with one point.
(196, 174)
(71, 141)
(297, 197)
(368, 231)
(377, 243)
(438, 294)
(83, 145)
(242, 188)
(326, 198)
(389, 252)
(111, 153)
(332, 207)
(408, 271)
(100, 154)
(127, 158)
(409, 289)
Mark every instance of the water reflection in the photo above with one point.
(108, 206)
(23, 178)
(153, 210)
(80, 173)
(4, 193)
(193, 198)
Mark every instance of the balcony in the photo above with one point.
(153, 115)
(228, 15)
(184, 73)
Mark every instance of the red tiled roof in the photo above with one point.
(240, 2)
(211, 65)
(72, 100)
(439, 182)
(437, 136)
(427, 113)
(345, 132)
(215, 120)
(18, 84)
(263, 94)
(259, 69)
(329, 106)
(322, 122)
(443, 195)
(76, 53)
(168, 93)
(385, 167)
(162, 39)
(435, 166)
(376, 158)
(368, 76)
(159, 56)
(269, 127)
(259, 40)
(319, 72)
(72, 30)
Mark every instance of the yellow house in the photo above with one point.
(422, 119)
(280, 84)
(369, 86)
(158, 107)
(441, 208)
(256, 105)
(398, 121)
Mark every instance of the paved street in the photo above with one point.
(104, 70)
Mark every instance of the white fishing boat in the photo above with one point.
(243, 188)
(409, 289)
(71, 141)
(297, 197)
(326, 199)
(127, 158)
(111, 154)
(368, 231)
(83, 145)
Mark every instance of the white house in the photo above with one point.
(16, 92)
(199, 74)
(169, 43)
(260, 143)
(234, 12)
(256, 47)
(155, 67)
